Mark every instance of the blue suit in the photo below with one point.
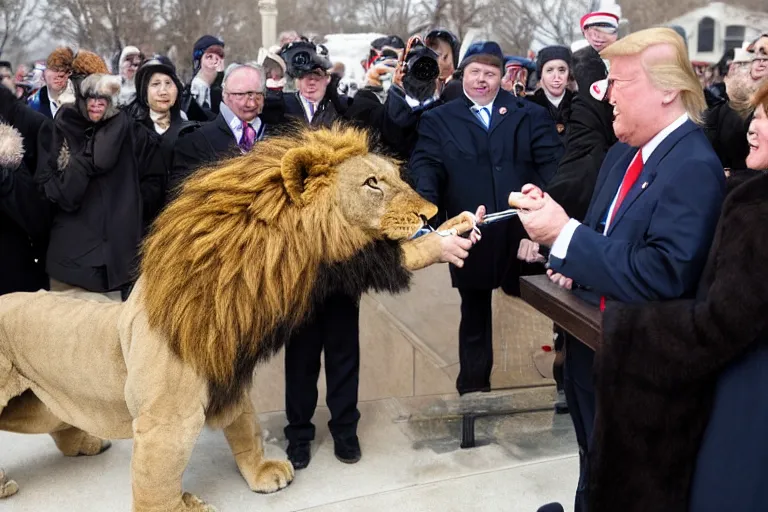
(655, 247)
(459, 164)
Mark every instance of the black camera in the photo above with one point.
(421, 63)
(302, 57)
(420, 70)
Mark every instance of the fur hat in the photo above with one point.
(11, 147)
(103, 86)
(88, 63)
(61, 59)
(485, 52)
(552, 53)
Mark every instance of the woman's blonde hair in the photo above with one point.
(673, 72)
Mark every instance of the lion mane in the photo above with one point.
(236, 262)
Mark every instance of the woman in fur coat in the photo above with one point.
(682, 407)
(96, 174)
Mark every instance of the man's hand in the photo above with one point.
(560, 280)
(542, 217)
(529, 252)
(377, 71)
(454, 249)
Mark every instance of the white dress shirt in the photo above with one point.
(305, 103)
(236, 124)
(560, 247)
(476, 108)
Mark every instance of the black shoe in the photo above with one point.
(347, 450)
(552, 507)
(299, 454)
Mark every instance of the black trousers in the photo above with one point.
(334, 329)
(475, 341)
(580, 393)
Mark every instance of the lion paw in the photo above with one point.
(92, 445)
(7, 487)
(272, 475)
(195, 504)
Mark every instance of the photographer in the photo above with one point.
(380, 67)
(415, 90)
(316, 102)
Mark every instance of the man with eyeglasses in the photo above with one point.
(58, 69)
(234, 131)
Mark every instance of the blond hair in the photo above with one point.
(671, 73)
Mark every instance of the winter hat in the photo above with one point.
(552, 53)
(128, 51)
(103, 86)
(607, 18)
(448, 37)
(202, 44)
(88, 63)
(60, 59)
(484, 52)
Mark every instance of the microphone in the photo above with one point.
(551, 507)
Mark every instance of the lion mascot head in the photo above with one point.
(238, 260)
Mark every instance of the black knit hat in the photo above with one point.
(552, 53)
(485, 50)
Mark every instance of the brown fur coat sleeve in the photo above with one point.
(656, 370)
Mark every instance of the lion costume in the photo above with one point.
(230, 268)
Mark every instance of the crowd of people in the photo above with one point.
(89, 159)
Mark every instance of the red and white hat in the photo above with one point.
(605, 18)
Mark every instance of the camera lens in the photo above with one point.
(301, 59)
(424, 69)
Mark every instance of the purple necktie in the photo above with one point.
(249, 135)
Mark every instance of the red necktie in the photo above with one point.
(630, 177)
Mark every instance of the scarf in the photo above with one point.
(162, 120)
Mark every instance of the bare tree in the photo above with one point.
(398, 17)
(16, 24)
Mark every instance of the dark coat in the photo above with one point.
(327, 113)
(727, 131)
(394, 122)
(560, 114)
(657, 243)
(660, 368)
(589, 136)
(459, 165)
(40, 102)
(98, 225)
(25, 214)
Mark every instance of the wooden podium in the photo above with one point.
(565, 309)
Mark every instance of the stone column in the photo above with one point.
(268, 11)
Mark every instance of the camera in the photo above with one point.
(302, 57)
(421, 63)
(421, 71)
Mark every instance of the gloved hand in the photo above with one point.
(378, 72)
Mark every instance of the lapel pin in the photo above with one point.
(503, 110)
(645, 185)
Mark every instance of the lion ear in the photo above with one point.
(299, 166)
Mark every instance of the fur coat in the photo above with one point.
(657, 369)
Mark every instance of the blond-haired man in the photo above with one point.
(653, 212)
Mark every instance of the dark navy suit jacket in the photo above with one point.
(657, 244)
(458, 165)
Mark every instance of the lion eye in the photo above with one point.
(372, 182)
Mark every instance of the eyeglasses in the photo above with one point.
(250, 95)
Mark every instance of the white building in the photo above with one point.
(716, 28)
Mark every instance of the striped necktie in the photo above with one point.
(484, 116)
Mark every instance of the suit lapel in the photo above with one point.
(648, 173)
(463, 109)
(507, 104)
